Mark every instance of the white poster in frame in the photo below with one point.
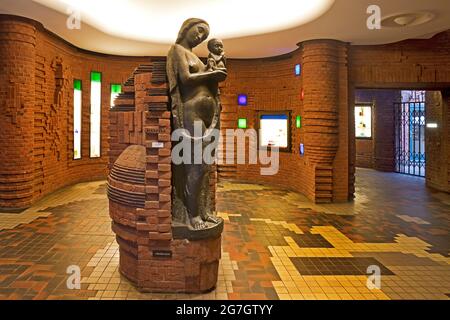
(274, 130)
(363, 121)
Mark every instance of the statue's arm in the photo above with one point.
(188, 78)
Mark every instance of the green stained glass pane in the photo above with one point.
(242, 123)
(77, 84)
(298, 121)
(116, 88)
(96, 76)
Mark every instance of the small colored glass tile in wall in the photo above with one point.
(298, 121)
(77, 84)
(298, 69)
(96, 76)
(242, 123)
(242, 99)
(302, 149)
(116, 88)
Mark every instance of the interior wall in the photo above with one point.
(378, 152)
(319, 96)
(446, 100)
(437, 142)
(409, 65)
(271, 85)
(36, 83)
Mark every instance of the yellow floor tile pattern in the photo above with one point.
(289, 226)
(110, 285)
(409, 282)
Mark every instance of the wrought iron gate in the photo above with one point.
(410, 134)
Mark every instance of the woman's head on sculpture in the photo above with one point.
(194, 31)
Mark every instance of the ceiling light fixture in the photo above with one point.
(407, 19)
(159, 21)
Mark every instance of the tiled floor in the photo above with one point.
(276, 244)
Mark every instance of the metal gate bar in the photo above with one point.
(410, 135)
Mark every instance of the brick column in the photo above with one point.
(325, 96)
(17, 66)
(320, 84)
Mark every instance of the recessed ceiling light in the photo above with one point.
(407, 19)
(159, 21)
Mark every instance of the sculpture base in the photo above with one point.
(179, 266)
(183, 231)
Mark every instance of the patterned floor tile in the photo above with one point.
(276, 245)
(337, 266)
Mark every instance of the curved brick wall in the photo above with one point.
(320, 68)
(36, 111)
(17, 63)
(331, 71)
(271, 85)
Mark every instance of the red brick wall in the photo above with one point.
(17, 62)
(364, 153)
(378, 152)
(37, 130)
(447, 117)
(410, 64)
(437, 140)
(271, 85)
(36, 77)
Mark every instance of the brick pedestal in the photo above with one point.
(140, 193)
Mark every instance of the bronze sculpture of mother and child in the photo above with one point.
(194, 92)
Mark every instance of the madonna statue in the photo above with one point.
(194, 92)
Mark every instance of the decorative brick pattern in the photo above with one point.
(324, 184)
(36, 111)
(17, 49)
(271, 85)
(320, 82)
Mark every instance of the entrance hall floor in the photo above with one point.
(276, 244)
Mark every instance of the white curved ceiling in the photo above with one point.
(159, 21)
(251, 28)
